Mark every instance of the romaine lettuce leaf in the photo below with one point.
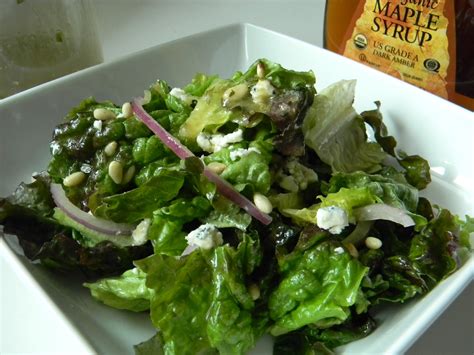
(388, 188)
(209, 114)
(337, 133)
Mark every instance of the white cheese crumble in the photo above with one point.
(98, 125)
(203, 140)
(182, 95)
(86, 168)
(262, 91)
(241, 152)
(206, 236)
(332, 218)
(139, 234)
(214, 142)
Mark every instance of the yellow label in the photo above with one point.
(404, 38)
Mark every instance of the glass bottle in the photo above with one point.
(41, 40)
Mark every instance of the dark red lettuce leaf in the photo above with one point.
(311, 340)
(27, 214)
(417, 169)
(287, 113)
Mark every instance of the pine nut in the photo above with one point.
(373, 243)
(127, 111)
(254, 291)
(110, 148)
(116, 171)
(262, 202)
(234, 94)
(217, 167)
(260, 71)
(103, 114)
(74, 179)
(129, 175)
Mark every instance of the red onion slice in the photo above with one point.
(385, 212)
(228, 191)
(97, 224)
(224, 188)
(170, 141)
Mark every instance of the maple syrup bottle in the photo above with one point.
(427, 43)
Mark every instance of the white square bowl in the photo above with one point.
(422, 123)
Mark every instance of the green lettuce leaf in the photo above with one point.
(280, 77)
(209, 114)
(147, 150)
(228, 215)
(318, 286)
(199, 84)
(127, 291)
(139, 203)
(302, 216)
(230, 326)
(181, 300)
(337, 133)
(389, 188)
(166, 231)
(200, 298)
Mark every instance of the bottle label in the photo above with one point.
(406, 39)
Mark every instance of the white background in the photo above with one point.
(127, 26)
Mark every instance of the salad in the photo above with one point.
(232, 208)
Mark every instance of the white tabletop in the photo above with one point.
(126, 26)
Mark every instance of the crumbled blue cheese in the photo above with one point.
(86, 168)
(332, 218)
(203, 140)
(214, 142)
(182, 95)
(207, 236)
(98, 125)
(242, 152)
(262, 91)
(139, 234)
